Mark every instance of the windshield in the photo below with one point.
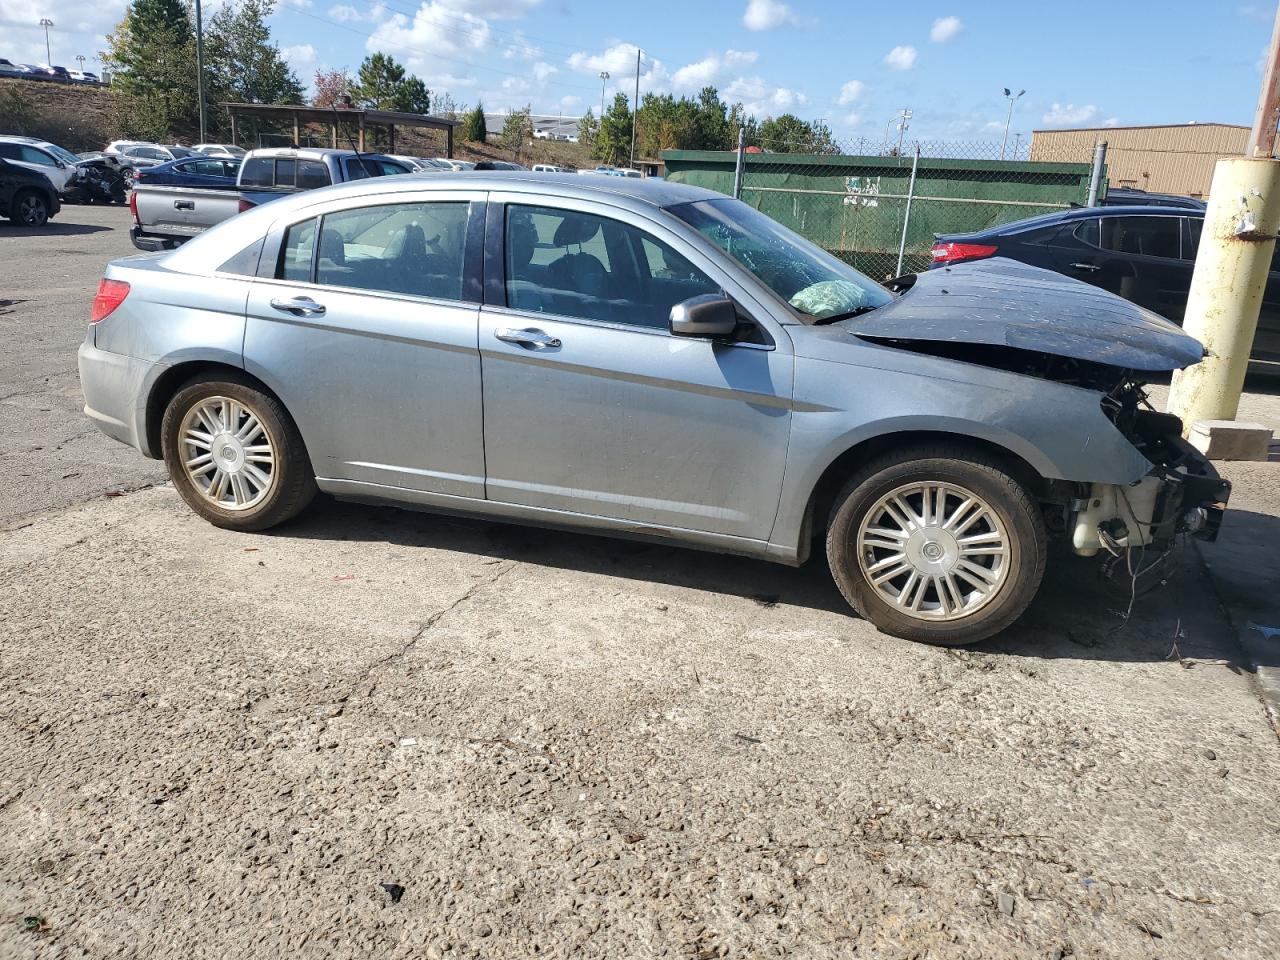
(809, 279)
(66, 156)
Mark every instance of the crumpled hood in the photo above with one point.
(1002, 302)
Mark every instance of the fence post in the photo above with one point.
(906, 216)
(1095, 178)
(737, 167)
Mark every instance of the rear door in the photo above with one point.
(593, 407)
(1139, 257)
(365, 324)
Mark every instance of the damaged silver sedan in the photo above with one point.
(646, 359)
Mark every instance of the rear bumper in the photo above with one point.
(152, 244)
(115, 394)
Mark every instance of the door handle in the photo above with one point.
(299, 306)
(184, 204)
(1091, 267)
(526, 338)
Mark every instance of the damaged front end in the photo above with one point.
(1009, 316)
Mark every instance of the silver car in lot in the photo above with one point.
(641, 358)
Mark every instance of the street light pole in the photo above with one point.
(46, 23)
(635, 112)
(200, 71)
(604, 77)
(902, 126)
(1012, 98)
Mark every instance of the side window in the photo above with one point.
(9, 151)
(312, 174)
(1154, 236)
(356, 168)
(594, 268)
(296, 251)
(408, 248)
(257, 172)
(32, 155)
(1191, 237)
(1087, 232)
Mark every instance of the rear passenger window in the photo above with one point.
(408, 248)
(1154, 236)
(296, 252)
(594, 268)
(312, 174)
(257, 172)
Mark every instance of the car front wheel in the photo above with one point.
(235, 455)
(30, 209)
(940, 545)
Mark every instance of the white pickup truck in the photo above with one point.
(167, 216)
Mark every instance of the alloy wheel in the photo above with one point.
(32, 211)
(934, 551)
(227, 453)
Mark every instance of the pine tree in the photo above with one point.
(473, 128)
(152, 58)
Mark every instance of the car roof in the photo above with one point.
(312, 153)
(1073, 215)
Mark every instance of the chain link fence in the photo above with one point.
(881, 211)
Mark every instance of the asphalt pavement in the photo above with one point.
(375, 733)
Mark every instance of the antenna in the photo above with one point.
(346, 102)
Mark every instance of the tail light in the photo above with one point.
(111, 294)
(245, 205)
(133, 207)
(958, 252)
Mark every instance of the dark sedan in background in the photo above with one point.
(1143, 253)
(197, 171)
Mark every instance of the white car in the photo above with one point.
(226, 151)
(48, 158)
(548, 168)
(456, 164)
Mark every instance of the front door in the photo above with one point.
(364, 330)
(591, 406)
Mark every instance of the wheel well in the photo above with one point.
(174, 379)
(838, 472)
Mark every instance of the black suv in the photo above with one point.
(26, 196)
(1145, 254)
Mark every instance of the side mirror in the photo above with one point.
(706, 315)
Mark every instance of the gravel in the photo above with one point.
(562, 746)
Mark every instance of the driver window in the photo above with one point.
(594, 268)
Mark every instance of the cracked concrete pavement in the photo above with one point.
(217, 744)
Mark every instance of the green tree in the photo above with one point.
(445, 106)
(587, 129)
(712, 129)
(665, 123)
(473, 128)
(516, 129)
(412, 96)
(242, 64)
(151, 54)
(613, 141)
(789, 134)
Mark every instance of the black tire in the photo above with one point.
(292, 483)
(29, 208)
(1017, 521)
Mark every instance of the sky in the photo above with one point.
(852, 63)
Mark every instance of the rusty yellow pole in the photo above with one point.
(1236, 245)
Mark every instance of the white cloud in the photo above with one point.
(1069, 115)
(543, 70)
(696, 75)
(570, 102)
(620, 62)
(901, 58)
(301, 57)
(438, 27)
(763, 99)
(851, 92)
(944, 28)
(345, 14)
(1111, 122)
(766, 15)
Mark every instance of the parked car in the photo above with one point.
(421, 164)
(226, 150)
(48, 158)
(27, 197)
(548, 168)
(84, 76)
(110, 158)
(195, 171)
(1128, 197)
(166, 216)
(97, 180)
(483, 165)
(1145, 254)
(33, 71)
(658, 361)
(140, 156)
(456, 165)
(10, 69)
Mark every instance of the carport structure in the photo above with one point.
(331, 117)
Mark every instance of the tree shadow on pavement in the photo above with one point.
(1075, 615)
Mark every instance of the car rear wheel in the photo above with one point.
(937, 544)
(30, 209)
(235, 455)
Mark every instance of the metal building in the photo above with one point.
(1173, 158)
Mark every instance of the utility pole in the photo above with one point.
(604, 76)
(635, 112)
(1012, 98)
(902, 126)
(200, 71)
(46, 23)
(1236, 246)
